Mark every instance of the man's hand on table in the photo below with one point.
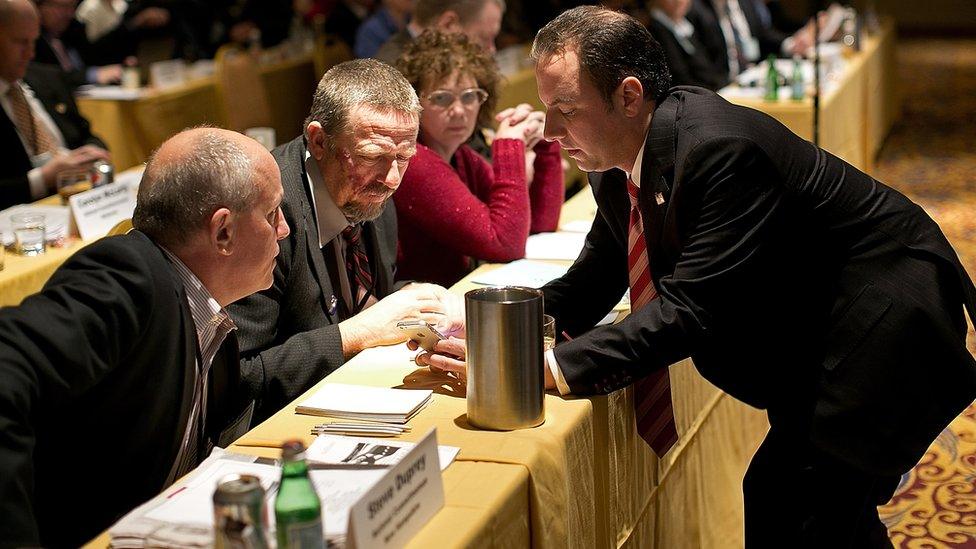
(376, 325)
(449, 356)
(79, 159)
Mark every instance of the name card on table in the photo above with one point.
(98, 210)
(401, 502)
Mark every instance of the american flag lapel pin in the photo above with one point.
(659, 198)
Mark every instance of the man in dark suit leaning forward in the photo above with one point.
(797, 284)
(122, 373)
(333, 293)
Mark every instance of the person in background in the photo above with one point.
(63, 43)
(121, 374)
(687, 57)
(264, 22)
(42, 135)
(735, 36)
(338, 17)
(479, 20)
(453, 207)
(390, 18)
(334, 292)
(797, 284)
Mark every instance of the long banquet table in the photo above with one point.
(583, 478)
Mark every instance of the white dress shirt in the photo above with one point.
(34, 178)
(212, 324)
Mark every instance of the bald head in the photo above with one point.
(19, 29)
(193, 174)
(16, 11)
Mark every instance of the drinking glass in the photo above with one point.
(548, 332)
(72, 183)
(29, 232)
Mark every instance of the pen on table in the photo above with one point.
(259, 443)
(567, 336)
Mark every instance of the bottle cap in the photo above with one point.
(293, 450)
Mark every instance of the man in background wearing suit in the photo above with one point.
(42, 134)
(333, 293)
(798, 285)
(479, 20)
(687, 57)
(736, 35)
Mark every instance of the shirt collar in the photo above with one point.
(207, 314)
(681, 29)
(635, 175)
(328, 217)
(4, 86)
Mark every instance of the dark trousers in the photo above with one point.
(797, 496)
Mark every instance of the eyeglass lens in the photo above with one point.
(469, 97)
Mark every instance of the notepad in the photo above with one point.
(365, 403)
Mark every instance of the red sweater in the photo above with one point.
(447, 215)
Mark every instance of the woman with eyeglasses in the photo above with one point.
(453, 207)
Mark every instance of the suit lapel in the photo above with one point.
(655, 191)
(312, 234)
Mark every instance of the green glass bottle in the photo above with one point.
(772, 79)
(298, 511)
(798, 87)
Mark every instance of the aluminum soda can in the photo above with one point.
(102, 173)
(240, 515)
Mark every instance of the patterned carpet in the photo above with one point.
(931, 157)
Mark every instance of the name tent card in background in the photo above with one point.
(98, 210)
(401, 502)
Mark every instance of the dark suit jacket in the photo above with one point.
(796, 283)
(688, 69)
(54, 93)
(706, 22)
(111, 48)
(289, 338)
(97, 374)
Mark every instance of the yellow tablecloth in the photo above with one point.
(857, 113)
(132, 129)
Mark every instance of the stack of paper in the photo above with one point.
(182, 516)
(365, 403)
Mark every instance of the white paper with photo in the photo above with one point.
(364, 451)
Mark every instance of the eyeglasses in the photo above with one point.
(471, 97)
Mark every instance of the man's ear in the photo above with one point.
(448, 22)
(222, 229)
(629, 96)
(318, 140)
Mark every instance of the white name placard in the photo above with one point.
(98, 210)
(401, 502)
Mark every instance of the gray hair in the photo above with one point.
(177, 198)
(359, 82)
(427, 11)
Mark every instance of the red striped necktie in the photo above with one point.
(652, 394)
(357, 266)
